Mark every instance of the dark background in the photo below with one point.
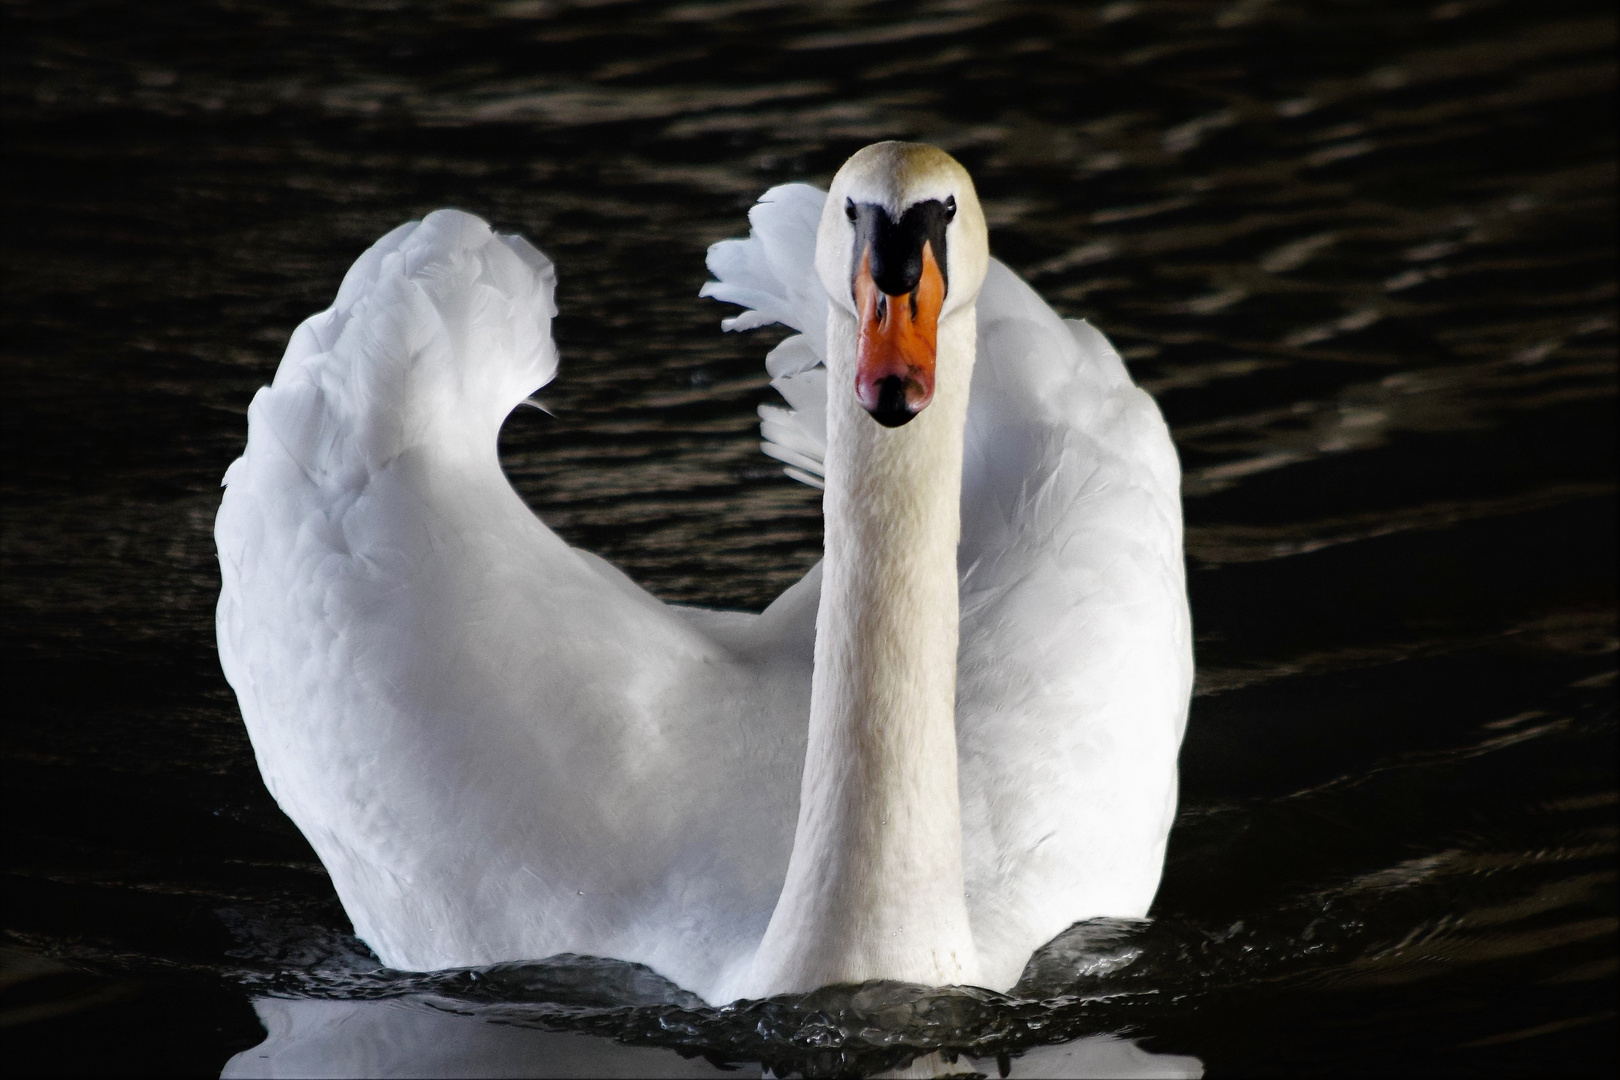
(1362, 252)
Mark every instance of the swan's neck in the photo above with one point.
(874, 885)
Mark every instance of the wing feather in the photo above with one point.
(460, 711)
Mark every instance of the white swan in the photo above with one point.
(502, 748)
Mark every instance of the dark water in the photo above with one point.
(1364, 253)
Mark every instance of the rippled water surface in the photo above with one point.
(1363, 253)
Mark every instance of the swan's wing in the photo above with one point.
(1076, 657)
(500, 746)
(772, 276)
(1076, 660)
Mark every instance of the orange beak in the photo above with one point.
(896, 342)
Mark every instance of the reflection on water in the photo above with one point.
(435, 1037)
(407, 1037)
(1363, 253)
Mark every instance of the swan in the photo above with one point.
(952, 739)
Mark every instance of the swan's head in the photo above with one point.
(902, 245)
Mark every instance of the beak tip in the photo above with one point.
(893, 418)
(889, 403)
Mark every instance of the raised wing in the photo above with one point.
(772, 276)
(499, 746)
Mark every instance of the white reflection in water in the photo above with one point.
(416, 1037)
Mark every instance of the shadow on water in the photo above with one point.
(1362, 253)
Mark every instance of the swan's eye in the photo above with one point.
(950, 207)
(849, 209)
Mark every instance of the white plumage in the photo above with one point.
(502, 748)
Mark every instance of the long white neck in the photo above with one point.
(874, 885)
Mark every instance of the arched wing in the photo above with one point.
(500, 746)
(1076, 655)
